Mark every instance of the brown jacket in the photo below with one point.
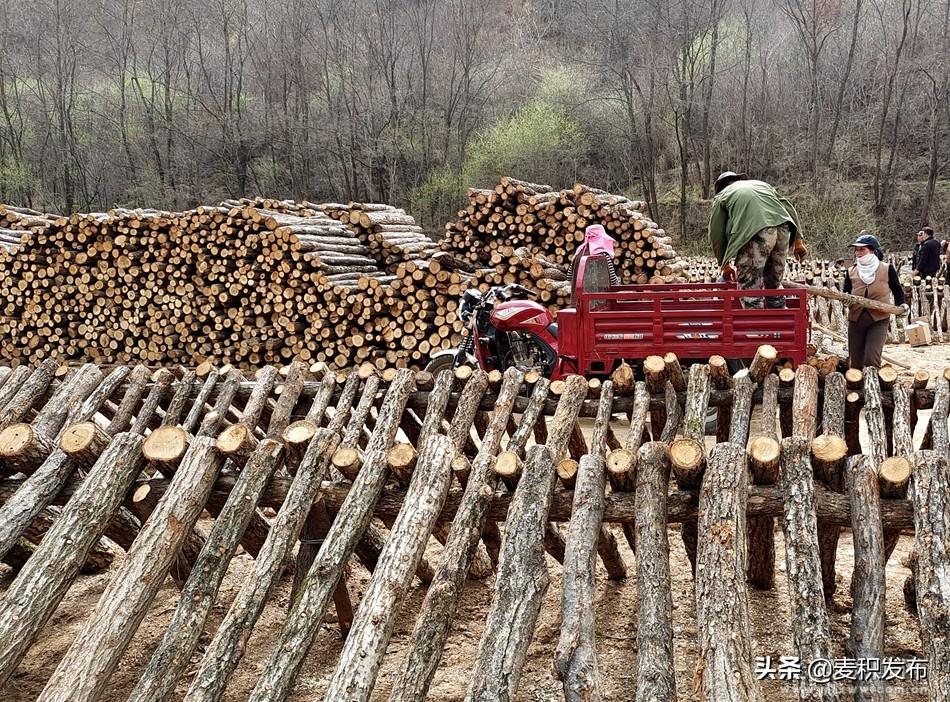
(878, 289)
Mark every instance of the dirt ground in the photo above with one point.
(616, 625)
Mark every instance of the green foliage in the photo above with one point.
(534, 142)
(15, 177)
(539, 142)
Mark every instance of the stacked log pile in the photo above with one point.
(19, 222)
(516, 214)
(237, 283)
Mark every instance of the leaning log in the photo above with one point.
(655, 677)
(932, 524)
(575, 658)
(688, 455)
(441, 601)
(31, 599)
(362, 654)
(170, 660)
(520, 585)
(867, 612)
(353, 516)
(84, 671)
(227, 647)
(722, 607)
(803, 565)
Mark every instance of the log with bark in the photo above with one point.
(441, 601)
(361, 657)
(84, 671)
(520, 585)
(31, 599)
(724, 670)
(353, 517)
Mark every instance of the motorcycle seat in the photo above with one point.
(552, 328)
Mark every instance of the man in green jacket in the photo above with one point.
(753, 225)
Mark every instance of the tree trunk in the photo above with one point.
(361, 657)
(33, 596)
(84, 671)
(353, 517)
(441, 601)
(227, 647)
(575, 659)
(828, 453)
(655, 671)
(520, 585)
(171, 658)
(722, 608)
(932, 524)
(867, 612)
(803, 565)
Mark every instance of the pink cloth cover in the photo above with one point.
(598, 241)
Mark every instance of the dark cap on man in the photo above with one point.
(727, 177)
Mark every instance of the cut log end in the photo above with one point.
(893, 475)
(688, 458)
(567, 472)
(299, 433)
(233, 438)
(620, 464)
(402, 460)
(15, 439)
(166, 444)
(508, 466)
(347, 461)
(829, 448)
(764, 454)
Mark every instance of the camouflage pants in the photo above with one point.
(760, 264)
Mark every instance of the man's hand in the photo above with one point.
(729, 273)
(800, 250)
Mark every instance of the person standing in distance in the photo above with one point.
(753, 225)
(926, 254)
(870, 277)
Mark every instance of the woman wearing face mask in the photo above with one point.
(870, 277)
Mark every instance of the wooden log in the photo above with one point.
(654, 371)
(441, 601)
(762, 363)
(96, 651)
(227, 647)
(932, 524)
(805, 402)
(741, 411)
(130, 400)
(655, 672)
(828, 453)
(287, 400)
(845, 298)
(31, 599)
(722, 609)
(769, 412)
(197, 411)
(688, 455)
(165, 448)
(170, 660)
(12, 384)
(353, 516)
(28, 394)
(721, 379)
(764, 454)
(803, 564)
(674, 415)
(575, 659)
(520, 586)
(361, 657)
(155, 395)
(867, 615)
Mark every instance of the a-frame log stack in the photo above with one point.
(180, 468)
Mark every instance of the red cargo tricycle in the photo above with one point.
(603, 327)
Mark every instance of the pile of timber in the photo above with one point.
(391, 234)
(516, 214)
(236, 283)
(123, 455)
(19, 222)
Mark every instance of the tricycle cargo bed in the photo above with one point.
(694, 321)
